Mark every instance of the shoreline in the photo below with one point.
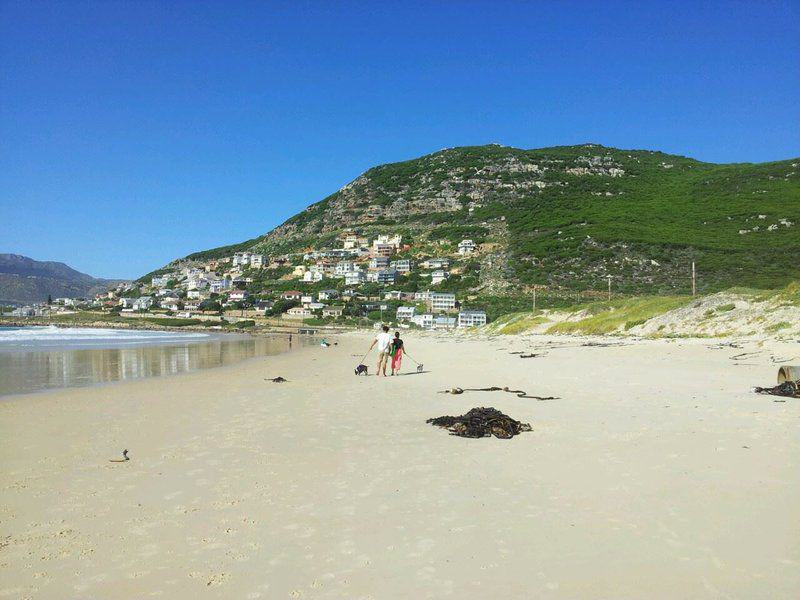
(656, 473)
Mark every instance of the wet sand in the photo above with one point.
(657, 474)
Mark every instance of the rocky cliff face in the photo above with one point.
(573, 216)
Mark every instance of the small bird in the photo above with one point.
(124, 457)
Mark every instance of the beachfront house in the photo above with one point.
(443, 322)
(333, 311)
(298, 312)
(471, 318)
(424, 320)
(355, 278)
(328, 294)
(402, 266)
(142, 303)
(438, 277)
(466, 247)
(405, 313)
(172, 305)
(442, 302)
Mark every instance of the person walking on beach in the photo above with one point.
(397, 353)
(384, 341)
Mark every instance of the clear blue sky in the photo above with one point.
(132, 133)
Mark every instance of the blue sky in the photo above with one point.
(132, 133)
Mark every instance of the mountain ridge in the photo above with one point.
(25, 280)
(571, 216)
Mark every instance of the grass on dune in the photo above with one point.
(519, 322)
(608, 317)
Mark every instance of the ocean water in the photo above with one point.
(40, 358)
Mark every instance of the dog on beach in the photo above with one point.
(362, 370)
(420, 367)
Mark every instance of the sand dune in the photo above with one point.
(657, 474)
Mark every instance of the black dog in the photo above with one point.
(361, 370)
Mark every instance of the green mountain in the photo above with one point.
(570, 216)
(24, 280)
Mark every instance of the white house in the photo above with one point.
(238, 295)
(333, 311)
(443, 322)
(160, 281)
(298, 312)
(126, 302)
(306, 299)
(387, 276)
(393, 295)
(402, 266)
(316, 305)
(439, 276)
(355, 278)
(382, 250)
(328, 294)
(256, 261)
(344, 267)
(424, 320)
(405, 313)
(241, 259)
(442, 302)
(471, 318)
(142, 303)
(437, 263)
(466, 247)
(379, 262)
(219, 285)
(422, 296)
(388, 240)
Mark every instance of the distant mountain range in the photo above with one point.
(569, 217)
(24, 280)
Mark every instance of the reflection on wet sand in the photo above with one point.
(29, 371)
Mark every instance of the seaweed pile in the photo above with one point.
(517, 393)
(481, 422)
(788, 389)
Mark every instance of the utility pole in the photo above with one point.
(534, 298)
(609, 286)
(694, 280)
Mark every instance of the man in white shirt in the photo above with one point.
(384, 342)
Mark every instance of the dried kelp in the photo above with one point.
(787, 389)
(481, 422)
(517, 393)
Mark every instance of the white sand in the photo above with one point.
(658, 474)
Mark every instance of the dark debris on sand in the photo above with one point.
(787, 389)
(481, 422)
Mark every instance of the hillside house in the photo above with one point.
(257, 261)
(306, 299)
(292, 295)
(387, 277)
(443, 322)
(142, 303)
(466, 247)
(393, 295)
(378, 263)
(422, 296)
(471, 318)
(438, 277)
(160, 281)
(333, 311)
(442, 302)
(436, 263)
(126, 302)
(405, 313)
(328, 294)
(424, 320)
(313, 276)
(219, 285)
(382, 250)
(238, 295)
(355, 278)
(298, 312)
(402, 266)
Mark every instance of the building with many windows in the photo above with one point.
(442, 302)
(471, 318)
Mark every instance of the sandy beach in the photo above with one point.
(657, 473)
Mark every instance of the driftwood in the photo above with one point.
(518, 393)
(277, 380)
(481, 422)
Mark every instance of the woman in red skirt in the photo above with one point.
(396, 350)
